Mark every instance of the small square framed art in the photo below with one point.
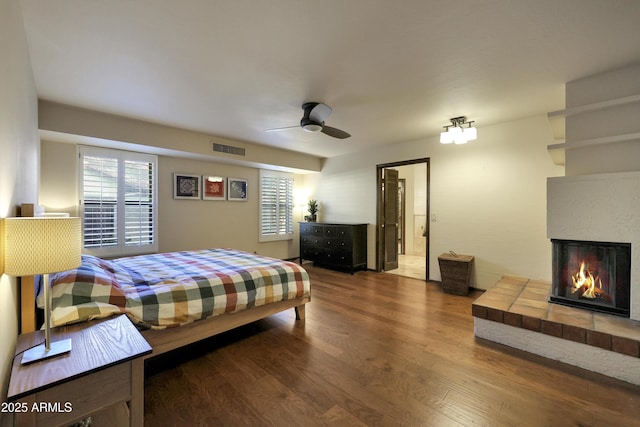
(186, 186)
(214, 187)
(237, 189)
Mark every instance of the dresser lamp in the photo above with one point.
(42, 245)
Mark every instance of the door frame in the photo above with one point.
(380, 209)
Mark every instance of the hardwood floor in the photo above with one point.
(375, 349)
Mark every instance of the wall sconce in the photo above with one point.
(457, 133)
(40, 245)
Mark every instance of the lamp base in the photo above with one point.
(40, 352)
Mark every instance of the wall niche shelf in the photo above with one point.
(580, 109)
(556, 119)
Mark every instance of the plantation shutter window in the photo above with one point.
(276, 206)
(100, 201)
(138, 203)
(118, 205)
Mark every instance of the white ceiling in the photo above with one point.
(392, 71)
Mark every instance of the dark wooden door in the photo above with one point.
(390, 223)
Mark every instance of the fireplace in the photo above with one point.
(592, 275)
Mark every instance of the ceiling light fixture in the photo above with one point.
(457, 133)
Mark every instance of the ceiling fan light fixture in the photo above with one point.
(311, 127)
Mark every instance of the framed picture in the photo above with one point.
(214, 187)
(237, 189)
(186, 186)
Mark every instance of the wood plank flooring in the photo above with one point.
(375, 350)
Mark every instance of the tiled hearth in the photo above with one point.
(522, 303)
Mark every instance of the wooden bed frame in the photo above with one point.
(164, 340)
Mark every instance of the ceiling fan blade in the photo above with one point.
(320, 112)
(336, 133)
(279, 129)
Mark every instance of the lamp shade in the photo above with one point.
(446, 137)
(455, 132)
(471, 133)
(36, 245)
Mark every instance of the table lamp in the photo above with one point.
(37, 245)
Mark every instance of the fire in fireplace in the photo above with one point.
(592, 275)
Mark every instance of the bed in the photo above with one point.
(181, 297)
(167, 290)
(177, 298)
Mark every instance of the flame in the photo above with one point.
(584, 280)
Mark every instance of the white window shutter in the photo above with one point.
(118, 190)
(276, 206)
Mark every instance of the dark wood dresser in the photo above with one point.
(342, 246)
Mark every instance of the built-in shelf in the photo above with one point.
(595, 141)
(580, 109)
(556, 119)
(557, 151)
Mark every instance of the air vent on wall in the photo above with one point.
(221, 148)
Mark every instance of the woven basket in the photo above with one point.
(456, 273)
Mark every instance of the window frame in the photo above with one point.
(121, 248)
(288, 234)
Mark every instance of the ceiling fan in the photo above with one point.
(315, 114)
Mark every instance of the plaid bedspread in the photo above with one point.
(172, 289)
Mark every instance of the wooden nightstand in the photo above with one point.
(102, 377)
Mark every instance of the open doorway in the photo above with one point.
(402, 238)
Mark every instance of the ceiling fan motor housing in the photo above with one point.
(309, 125)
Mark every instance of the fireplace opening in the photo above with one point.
(592, 275)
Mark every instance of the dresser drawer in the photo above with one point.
(312, 253)
(338, 258)
(311, 229)
(305, 228)
(336, 244)
(311, 240)
(338, 231)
